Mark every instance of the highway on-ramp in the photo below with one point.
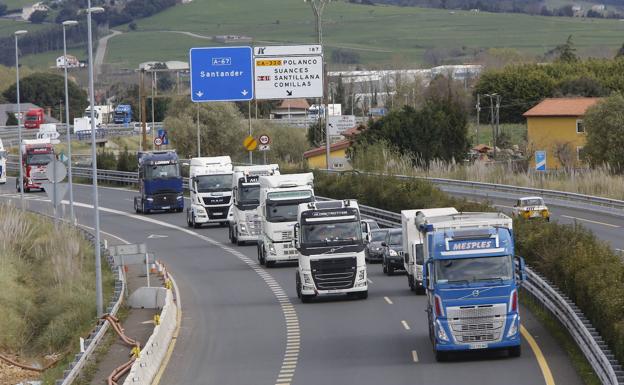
(243, 324)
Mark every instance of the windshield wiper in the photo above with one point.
(333, 250)
(464, 281)
(488, 279)
(278, 218)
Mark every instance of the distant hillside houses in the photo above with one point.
(226, 39)
(72, 61)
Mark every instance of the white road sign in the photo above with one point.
(264, 147)
(288, 77)
(264, 139)
(57, 175)
(287, 50)
(341, 123)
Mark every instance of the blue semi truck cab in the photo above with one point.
(123, 114)
(160, 182)
(472, 278)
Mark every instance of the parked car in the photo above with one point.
(374, 249)
(392, 258)
(531, 208)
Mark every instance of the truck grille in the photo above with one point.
(216, 200)
(165, 199)
(483, 323)
(334, 273)
(218, 212)
(283, 235)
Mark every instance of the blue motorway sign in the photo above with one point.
(540, 160)
(220, 74)
(162, 134)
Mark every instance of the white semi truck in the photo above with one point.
(280, 196)
(328, 237)
(210, 186)
(3, 159)
(245, 223)
(413, 239)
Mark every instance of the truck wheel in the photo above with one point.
(195, 224)
(384, 268)
(223, 224)
(188, 219)
(145, 210)
(180, 209)
(515, 351)
(362, 294)
(306, 298)
(390, 270)
(441, 356)
(231, 235)
(410, 282)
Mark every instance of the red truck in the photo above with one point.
(36, 154)
(34, 118)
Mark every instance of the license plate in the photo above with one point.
(166, 207)
(217, 214)
(479, 345)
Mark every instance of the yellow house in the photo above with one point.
(556, 130)
(337, 153)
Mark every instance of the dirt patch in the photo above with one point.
(10, 374)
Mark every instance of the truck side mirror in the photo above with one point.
(296, 236)
(427, 269)
(520, 269)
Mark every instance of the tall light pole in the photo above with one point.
(68, 23)
(19, 117)
(493, 118)
(318, 6)
(99, 301)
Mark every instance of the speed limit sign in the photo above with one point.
(264, 139)
(157, 141)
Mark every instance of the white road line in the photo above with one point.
(388, 300)
(415, 356)
(369, 280)
(503, 206)
(590, 221)
(405, 325)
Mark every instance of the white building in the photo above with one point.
(72, 61)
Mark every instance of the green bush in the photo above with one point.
(584, 268)
(388, 193)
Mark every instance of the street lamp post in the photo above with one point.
(99, 301)
(317, 7)
(68, 23)
(19, 117)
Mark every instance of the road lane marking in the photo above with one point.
(541, 360)
(388, 300)
(415, 356)
(405, 325)
(590, 221)
(504, 206)
(369, 280)
(291, 345)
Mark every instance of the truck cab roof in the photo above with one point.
(156, 156)
(286, 181)
(327, 210)
(464, 220)
(210, 165)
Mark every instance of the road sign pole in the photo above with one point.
(55, 200)
(249, 119)
(198, 136)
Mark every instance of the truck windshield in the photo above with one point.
(161, 171)
(121, 115)
(249, 194)
(467, 270)
(213, 183)
(284, 211)
(32, 117)
(39, 159)
(324, 233)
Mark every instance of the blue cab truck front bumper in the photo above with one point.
(173, 205)
(505, 342)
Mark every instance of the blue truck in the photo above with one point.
(160, 182)
(472, 278)
(123, 114)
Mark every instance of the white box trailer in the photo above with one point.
(413, 239)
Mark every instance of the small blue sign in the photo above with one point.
(540, 160)
(162, 134)
(221, 74)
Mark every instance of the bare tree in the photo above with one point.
(565, 154)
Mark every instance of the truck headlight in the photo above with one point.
(149, 199)
(307, 279)
(513, 329)
(243, 229)
(440, 332)
(362, 275)
(271, 249)
(393, 253)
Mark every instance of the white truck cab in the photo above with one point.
(210, 186)
(3, 159)
(245, 223)
(413, 239)
(280, 196)
(328, 237)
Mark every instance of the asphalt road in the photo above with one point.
(243, 324)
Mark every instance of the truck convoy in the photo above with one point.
(413, 239)
(160, 182)
(123, 114)
(280, 196)
(210, 186)
(470, 277)
(3, 159)
(245, 222)
(35, 156)
(328, 236)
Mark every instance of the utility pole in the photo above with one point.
(143, 111)
(493, 118)
(496, 133)
(317, 7)
(478, 110)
